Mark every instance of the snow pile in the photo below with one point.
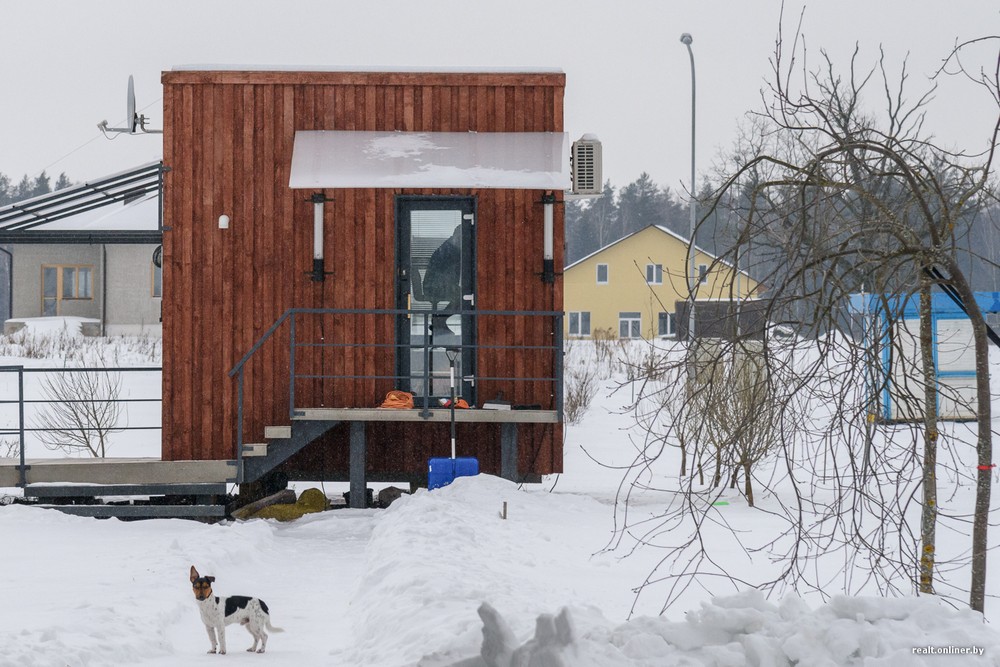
(745, 629)
(404, 587)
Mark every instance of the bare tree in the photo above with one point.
(82, 410)
(825, 200)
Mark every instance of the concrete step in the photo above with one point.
(255, 449)
(277, 432)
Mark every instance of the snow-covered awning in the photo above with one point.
(347, 159)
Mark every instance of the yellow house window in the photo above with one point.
(630, 325)
(654, 274)
(602, 274)
(579, 323)
(703, 273)
(666, 324)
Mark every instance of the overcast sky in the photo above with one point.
(64, 65)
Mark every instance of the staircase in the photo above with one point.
(282, 442)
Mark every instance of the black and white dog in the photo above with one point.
(217, 613)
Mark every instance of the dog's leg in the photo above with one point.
(211, 637)
(249, 625)
(222, 638)
(255, 630)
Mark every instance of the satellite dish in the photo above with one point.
(158, 256)
(130, 117)
(136, 122)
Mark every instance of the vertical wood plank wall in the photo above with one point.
(228, 139)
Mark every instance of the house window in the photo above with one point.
(602, 274)
(654, 274)
(703, 273)
(579, 323)
(157, 291)
(65, 283)
(630, 325)
(665, 324)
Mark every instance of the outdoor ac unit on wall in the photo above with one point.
(586, 164)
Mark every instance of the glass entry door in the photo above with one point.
(435, 271)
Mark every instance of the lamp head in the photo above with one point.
(686, 39)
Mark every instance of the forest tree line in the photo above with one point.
(592, 224)
(28, 187)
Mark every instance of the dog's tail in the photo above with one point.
(272, 628)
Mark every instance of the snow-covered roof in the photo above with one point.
(377, 69)
(348, 159)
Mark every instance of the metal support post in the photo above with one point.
(359, 485)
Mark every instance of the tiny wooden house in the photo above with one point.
(304, 214)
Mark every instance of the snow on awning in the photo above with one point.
(347, 159)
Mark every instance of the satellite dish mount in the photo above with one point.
(136, 121)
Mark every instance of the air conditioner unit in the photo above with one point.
(586, 165)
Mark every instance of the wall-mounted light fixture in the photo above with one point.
(318, 272)
(548, 261)
(223, 221)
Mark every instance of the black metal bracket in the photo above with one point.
(319, 272)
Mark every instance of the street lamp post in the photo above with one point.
(692, 269)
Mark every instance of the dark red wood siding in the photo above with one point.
(228, 139)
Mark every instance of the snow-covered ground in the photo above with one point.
(401, 587)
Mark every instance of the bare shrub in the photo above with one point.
(83, 410)
(9, 448)
(581, 388)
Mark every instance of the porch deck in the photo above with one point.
(132, 471)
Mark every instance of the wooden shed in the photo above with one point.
(304, 214)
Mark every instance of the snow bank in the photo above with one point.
(439, 555)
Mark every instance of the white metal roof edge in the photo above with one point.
(663, 229)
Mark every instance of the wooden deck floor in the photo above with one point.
(118, 471)
(436, 415)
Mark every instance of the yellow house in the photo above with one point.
(631, 286)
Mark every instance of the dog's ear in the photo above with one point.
(194, 574)
(210, 579)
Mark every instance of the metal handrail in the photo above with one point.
(21, 401)
(290, 316)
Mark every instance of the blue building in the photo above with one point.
(892, 329)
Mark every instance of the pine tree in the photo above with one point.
(62, 182)
(641, 203)
(42, 185)
(6, 194)
(22, 190)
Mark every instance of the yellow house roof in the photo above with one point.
(630, 287)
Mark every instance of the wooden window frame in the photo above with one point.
(60, 273)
